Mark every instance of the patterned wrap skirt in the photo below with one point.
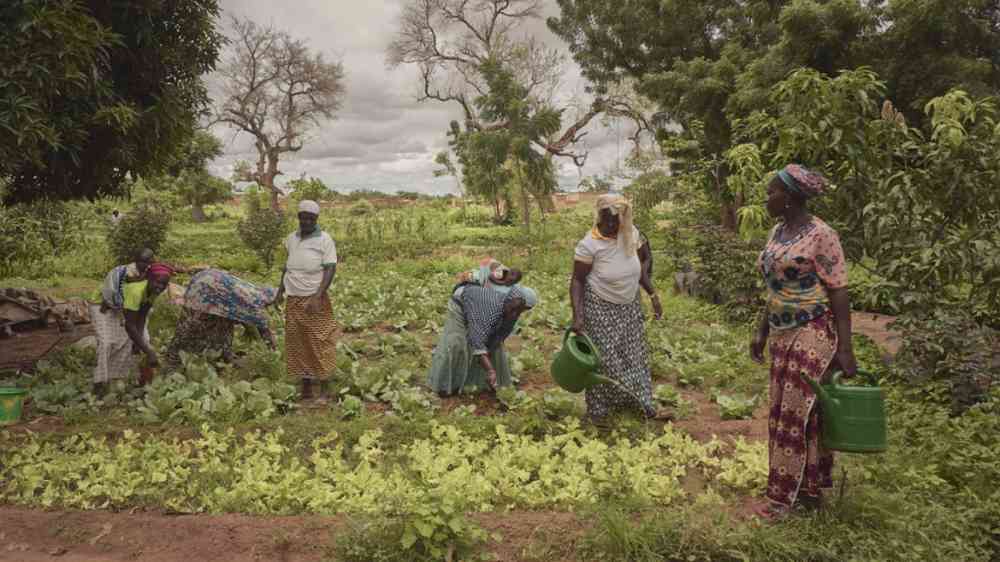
(798, 462)
(198, 332)
(453, 366)
(619, 332)
(310, 339)
(115, 356)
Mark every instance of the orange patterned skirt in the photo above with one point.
(310, 339)
(798, 462)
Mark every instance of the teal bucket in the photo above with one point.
(11, 404)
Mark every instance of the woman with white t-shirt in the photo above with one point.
(611, 263)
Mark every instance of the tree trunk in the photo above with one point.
(526, 208)
(197, 213)
(728, 217)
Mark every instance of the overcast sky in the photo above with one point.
(383, 138)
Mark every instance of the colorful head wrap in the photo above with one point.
(307, 206)
(802, 181)
(159, 271)
(619, 206)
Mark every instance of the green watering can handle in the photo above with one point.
(586, 339)
(871, 378)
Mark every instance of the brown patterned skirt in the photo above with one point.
(310, 339)
(797, 461)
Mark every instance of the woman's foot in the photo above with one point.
(663, 414)
(306, 390)
(770, 511)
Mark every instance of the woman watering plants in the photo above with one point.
(609, 267)
(122, 333)
(808, 321)
(214, 303)
(470, 352)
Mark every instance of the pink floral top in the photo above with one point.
(799, 272)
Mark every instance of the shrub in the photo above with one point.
(948, 347)
(362, 207)
(145, 226)
(727, 271)
(313, 189)
(262, 231)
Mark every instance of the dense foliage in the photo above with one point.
(96, 89)
(144, 226)
(709, 64)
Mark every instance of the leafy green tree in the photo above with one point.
(188, 178)
(917, 205)
(708, 64)
(313, 189)
(145, 226)
(262, 229)
(93, 90)
(198, 189)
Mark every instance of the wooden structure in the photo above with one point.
(32, 325)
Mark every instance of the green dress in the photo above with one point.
(454, 368)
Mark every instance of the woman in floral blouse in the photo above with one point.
(808, 322)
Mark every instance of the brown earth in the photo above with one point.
(99, 536)
(878, 327)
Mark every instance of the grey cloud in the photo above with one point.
(382, 138)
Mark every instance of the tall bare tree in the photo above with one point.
(275, 89)
(451, 40)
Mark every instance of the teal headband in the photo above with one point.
(790, 183)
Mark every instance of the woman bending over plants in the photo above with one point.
(470, 352)
(808, 320)
(121, 331)
(214, 303)
(610, 264)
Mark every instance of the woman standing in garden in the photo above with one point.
(610, 264)
(470, 352)
(808, 322)
(310, 330)
(121, 332)
(214, 303)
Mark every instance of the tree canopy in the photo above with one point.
(709, 64)
(93, 90)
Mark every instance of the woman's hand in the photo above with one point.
(757, 345)
(657, 307)
(313, 305)
(491, 378)
(279, 298)
(151, 359)
(577, 327)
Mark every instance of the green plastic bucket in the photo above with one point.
(11, 402)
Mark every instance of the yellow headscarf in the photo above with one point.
(622, 208)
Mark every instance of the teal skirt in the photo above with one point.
(454, 368)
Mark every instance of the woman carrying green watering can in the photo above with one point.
(609, 266)
(808, 323)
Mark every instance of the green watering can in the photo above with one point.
(575, 366)
(853, 416)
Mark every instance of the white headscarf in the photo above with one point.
(619, 206)
(307, 206)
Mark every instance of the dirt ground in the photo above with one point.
(28, 535)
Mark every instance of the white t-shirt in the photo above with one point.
(615, 276)
(307, 258)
